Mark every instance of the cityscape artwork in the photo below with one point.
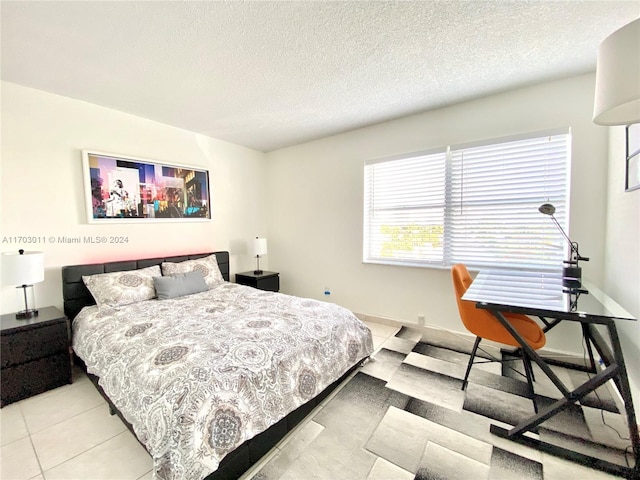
(128, 189)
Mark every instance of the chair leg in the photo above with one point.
(470, 364)
(528, 370)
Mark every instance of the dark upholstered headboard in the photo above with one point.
(76, 296)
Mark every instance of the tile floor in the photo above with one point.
(67, 433)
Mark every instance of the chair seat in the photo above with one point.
(526, 327)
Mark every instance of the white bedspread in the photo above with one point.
(196, 376)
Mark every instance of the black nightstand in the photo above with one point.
(34, 354)
(264, 281)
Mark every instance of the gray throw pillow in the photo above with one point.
(179, 284)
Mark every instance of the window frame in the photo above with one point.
(554, 242)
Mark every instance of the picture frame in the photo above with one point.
(126, 189)
(632, 161)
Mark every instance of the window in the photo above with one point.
(473, 204)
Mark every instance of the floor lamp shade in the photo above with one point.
(617, 98)
(23, 269)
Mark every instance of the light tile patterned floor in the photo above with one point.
(67, 433)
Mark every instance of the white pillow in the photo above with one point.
(122, 288)
(208, 266)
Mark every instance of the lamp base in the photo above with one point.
(258, 272)
(26, 314)
(572, 276)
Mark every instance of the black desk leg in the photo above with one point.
(558, 451)
(621, 380)
(532, 353)
(625, 392)
(614, 370)
(586, 336)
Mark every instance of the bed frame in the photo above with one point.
(76, 297)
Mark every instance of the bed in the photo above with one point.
(208, 381)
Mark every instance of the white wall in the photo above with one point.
(42, 189)
(622, 273)
(316, 199)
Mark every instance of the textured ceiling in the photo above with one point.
(272, 74)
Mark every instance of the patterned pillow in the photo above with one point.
(208, 266)
(122, 288)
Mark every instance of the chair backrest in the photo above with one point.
(483, 324)
(479, 322)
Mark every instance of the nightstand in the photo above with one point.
(34, 354)
(264, 281)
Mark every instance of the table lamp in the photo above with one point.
(259, 248)
(24, 269)
(571, 272)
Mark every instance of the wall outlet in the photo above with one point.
(420, 319)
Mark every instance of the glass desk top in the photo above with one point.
(542, 293)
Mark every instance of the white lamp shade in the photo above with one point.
(260, 246)
(24, 269)
(617, 99)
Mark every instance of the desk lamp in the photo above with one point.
(571, 272)
(24, 269)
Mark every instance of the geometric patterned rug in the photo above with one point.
(404, 416)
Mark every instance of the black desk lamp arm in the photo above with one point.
(576, 257)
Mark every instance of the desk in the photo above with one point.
(543, 295)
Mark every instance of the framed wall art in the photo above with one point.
(632, 178)
(127, 189)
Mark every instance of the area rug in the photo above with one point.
(404, 416)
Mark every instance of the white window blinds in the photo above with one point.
(476, 205)
(404, 209)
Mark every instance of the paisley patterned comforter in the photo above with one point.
(198, 375)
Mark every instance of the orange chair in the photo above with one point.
(484, 325)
